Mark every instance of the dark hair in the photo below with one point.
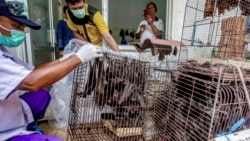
(131, 34)
(122, 33)
(74, 1)
(65, 8)
(152, 3)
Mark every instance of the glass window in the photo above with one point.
(39, 13)
(41, 42)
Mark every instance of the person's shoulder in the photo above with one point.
(97, 17)
(143, 22)
(92, 10)
(61, 21)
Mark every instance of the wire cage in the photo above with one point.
(209, 91)
(109, 100)
(201, 103)
(215, 30)
(196, 89)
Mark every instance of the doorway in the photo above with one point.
(42, 41)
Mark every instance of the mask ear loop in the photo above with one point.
(5, 28)
(26, 29)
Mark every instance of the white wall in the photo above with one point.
(178, 18)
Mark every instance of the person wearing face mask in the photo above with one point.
(151, 26)
(87, 24)
(16, 37)
(63, 33)
(19, 113)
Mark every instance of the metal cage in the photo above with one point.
(109, 99)
(209, 92)
(200, 103)
(197, 94)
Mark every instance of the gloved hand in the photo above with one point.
(89, 52)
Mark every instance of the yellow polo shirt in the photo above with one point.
(95, 32)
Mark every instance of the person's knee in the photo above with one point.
(40, 94)
(44, 102)
(45, 94)
(38, 102)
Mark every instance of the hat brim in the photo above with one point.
(26, 22)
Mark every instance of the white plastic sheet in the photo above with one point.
(59, 105)
(58, 110)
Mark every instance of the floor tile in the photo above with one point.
(55, 132)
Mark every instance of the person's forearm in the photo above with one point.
(113, 45)
(47, 64)
(49, 73)
(138, 35)
(156, 31)
(111, 42)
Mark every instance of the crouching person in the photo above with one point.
(18, 114)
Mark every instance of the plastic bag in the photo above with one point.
(59, 105)
(58, 110)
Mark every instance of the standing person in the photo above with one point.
(63, 33)
(19, 113)
(151, 26)
(87, 24)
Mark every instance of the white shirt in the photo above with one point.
(15, 113)
(148, 33)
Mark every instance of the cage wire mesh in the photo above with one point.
(109, 99)
(209, 91)
(183, 91)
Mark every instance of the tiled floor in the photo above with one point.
(56, 132)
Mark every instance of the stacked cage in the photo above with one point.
(209, 91)
(202, 101)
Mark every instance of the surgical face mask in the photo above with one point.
(16, 38)
(79, 13)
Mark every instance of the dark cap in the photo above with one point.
(16, 10)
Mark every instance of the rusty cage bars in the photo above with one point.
(209, 91)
